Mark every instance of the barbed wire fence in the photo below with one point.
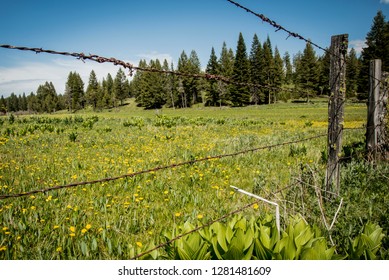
(335, 121)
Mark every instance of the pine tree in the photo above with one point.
(92, 95)
(324, 73)
(267, 73)
(120, 90)
(226, 64)
(239, 94)
(108, 91)
(256, 60)
(46, 98)
(184, 82)
(212, 96)
(74, 92)
(377, 41)
(352, 74)
(3, 105)
(278, 75)
(12, 103)
(194, 86)
(288, 69)
(172, 96)
(23, 102)
(307, 72)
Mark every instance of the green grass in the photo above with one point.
(110, 220)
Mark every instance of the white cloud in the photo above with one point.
(384, 1)
(154, 55)
(358, 45)
(29, 75)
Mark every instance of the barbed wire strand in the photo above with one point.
(100, 59)
(278, 26)
(194, 230)
(208, 224)
(159, 168)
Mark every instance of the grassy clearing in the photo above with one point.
(115, 219)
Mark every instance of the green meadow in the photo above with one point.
(116, 219)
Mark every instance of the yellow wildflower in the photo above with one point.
(199, 216)
(88, 226)
(72, 229)
(177, 214)
(84, 230)
(139, 244)
(3, 248)
(59, 249)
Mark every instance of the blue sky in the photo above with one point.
(148, 29)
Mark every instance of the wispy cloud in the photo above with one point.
(384, 1)
(156, 55)
(358, 45)
(29, 75)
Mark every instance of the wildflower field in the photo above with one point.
(118, 219)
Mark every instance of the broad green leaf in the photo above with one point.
(221, 237)
(229, 234)
(261, 252)
(183, 254)
(304, 236)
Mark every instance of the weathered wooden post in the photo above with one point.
(376, 112)
(338, 51)
(373, 110)
(383, 137)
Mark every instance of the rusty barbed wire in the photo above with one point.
(100, 59)
(158, 168)
(209, 223)
(277, 26)
(193, 230)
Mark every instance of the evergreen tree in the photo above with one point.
(278, 74)
(31, 102)
(226, 68)
(152, 94)
(267, 73)
(23, 102)
(324, 73)
(307, 72)
(120, 88)
(288, 69)
(184, 82)
(108, 91)
(46, 98)
(256, 60)
(377, 41)
(352, 74)
(239, 94)
(172, 97)
(92, 95)
(194, 85)
(74, 92)
(3, 105)
(212, 97)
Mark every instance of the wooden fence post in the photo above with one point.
(376, 134)
(338, 51)
(383, 137)
(373, 110)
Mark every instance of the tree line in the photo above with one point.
(109, 93)
(304, 75)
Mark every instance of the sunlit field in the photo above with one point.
(117, 219)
